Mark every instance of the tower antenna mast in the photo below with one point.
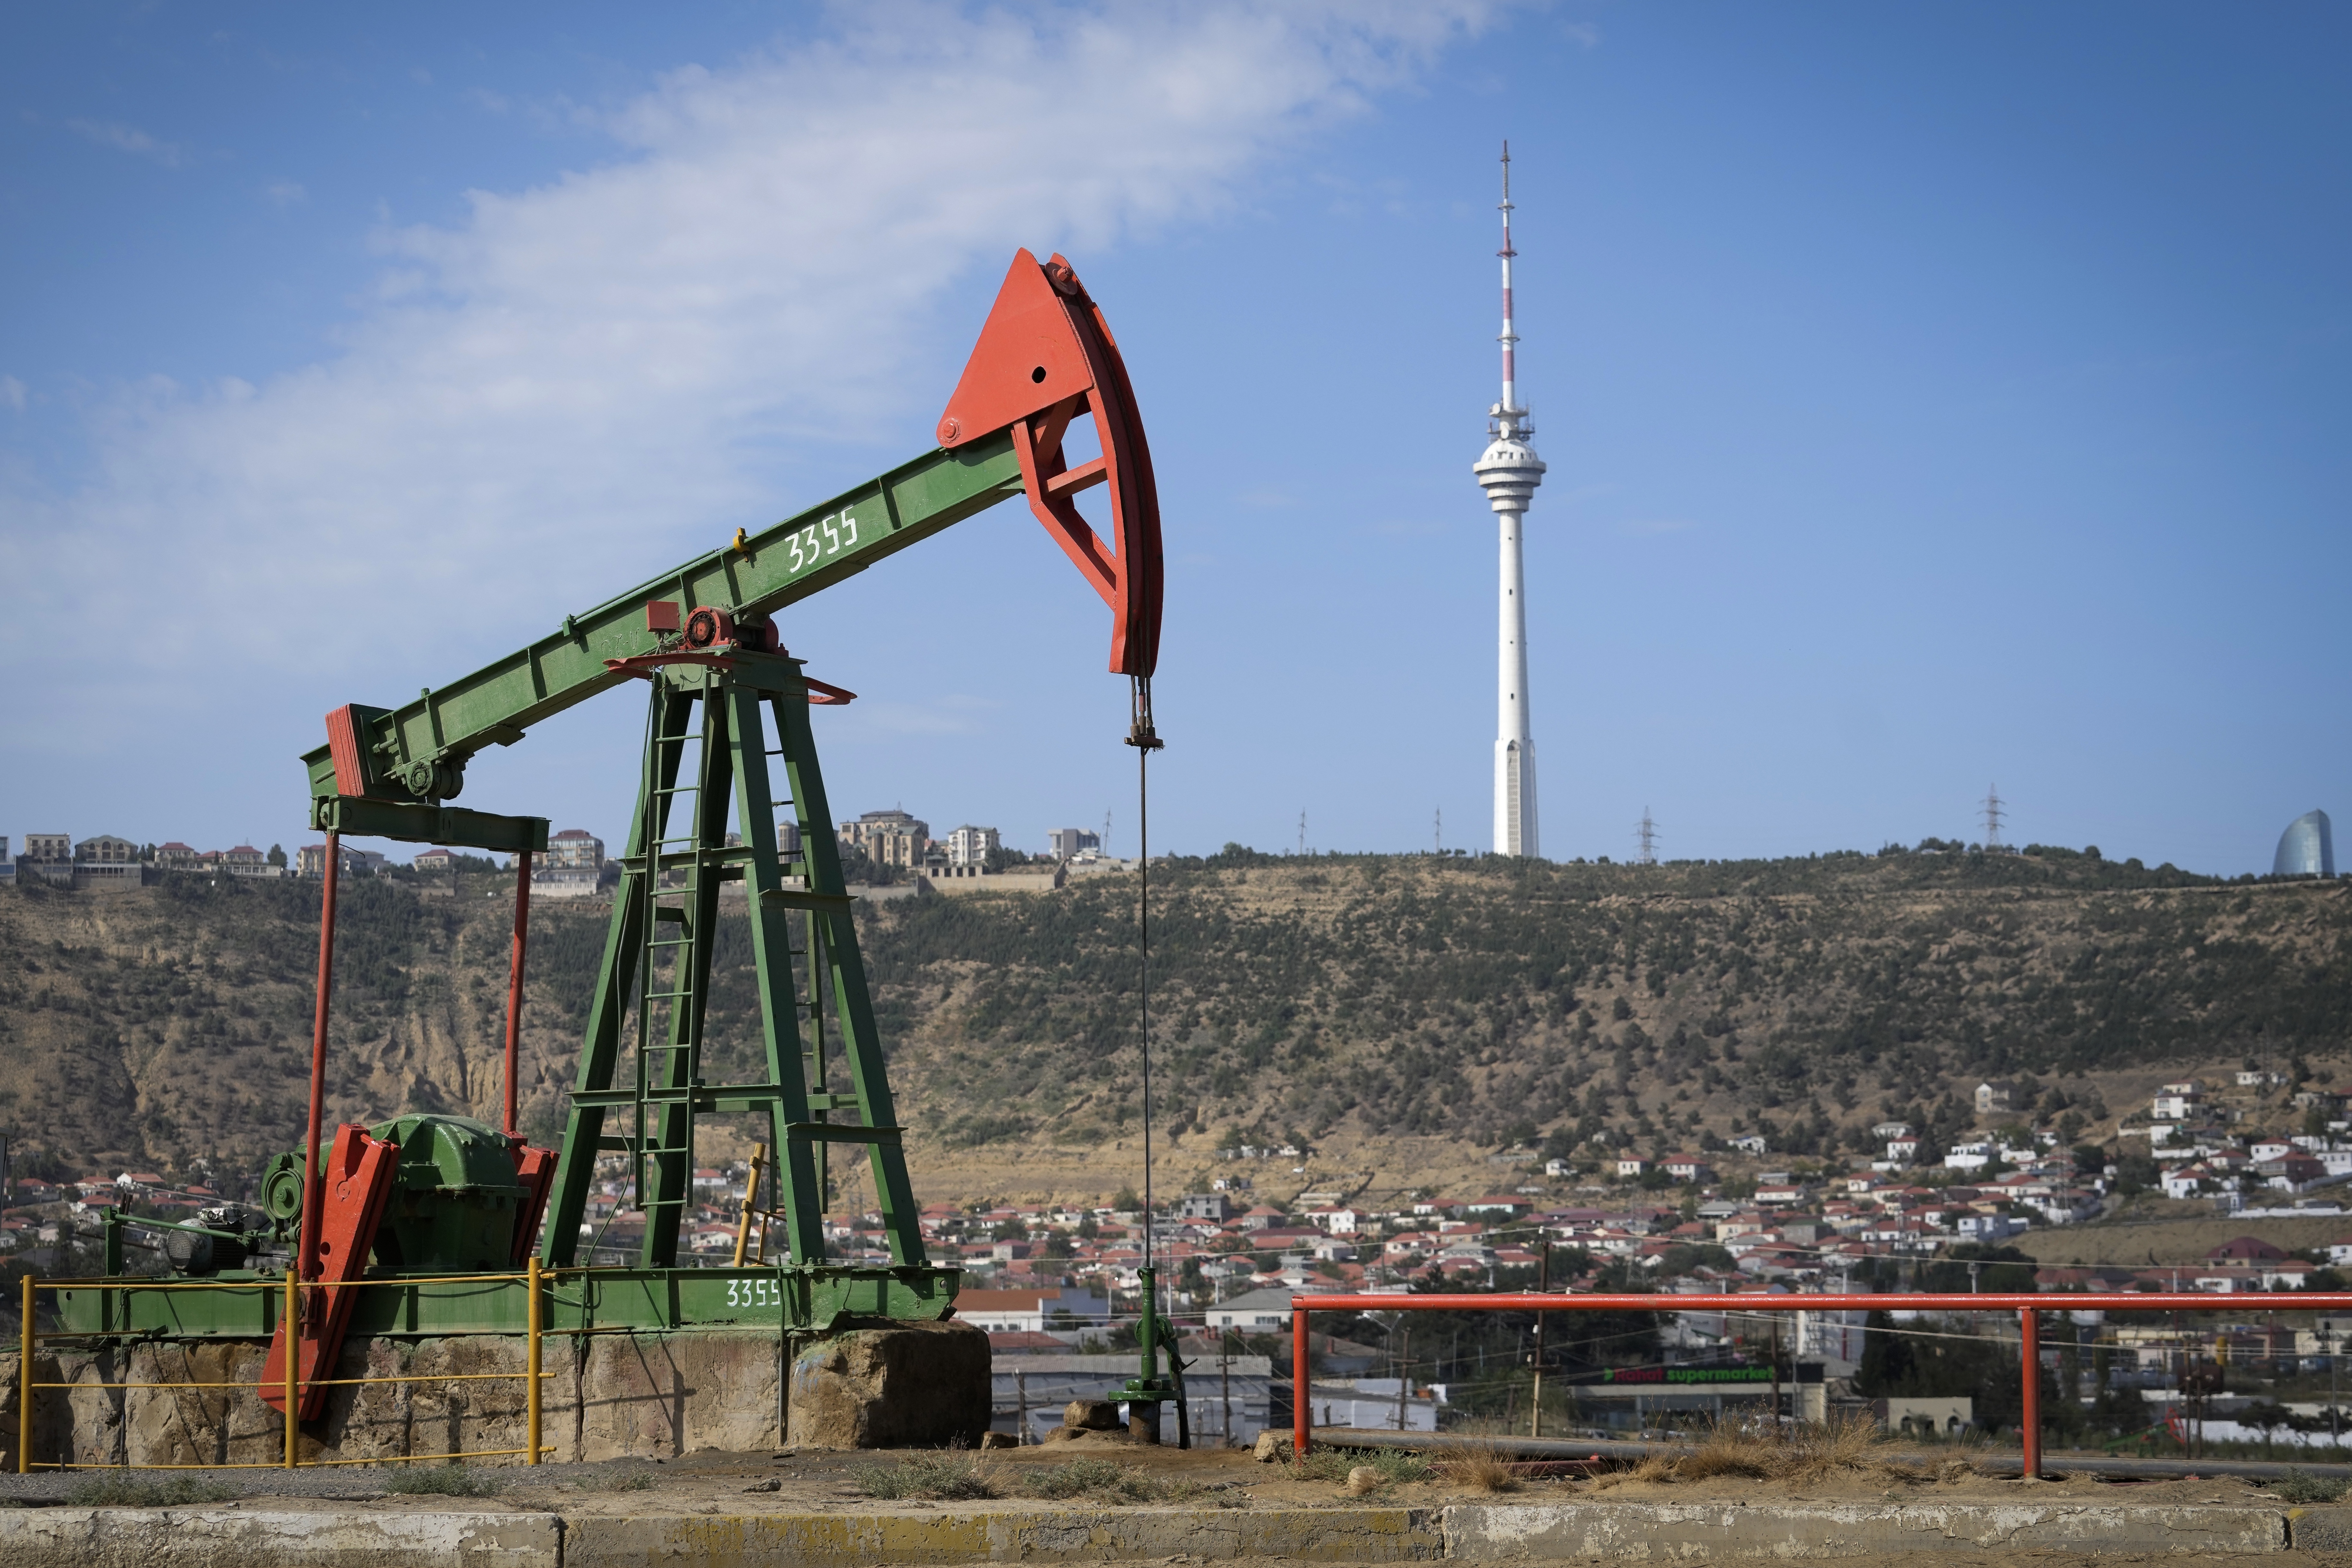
(1509, 471)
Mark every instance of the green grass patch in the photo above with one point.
(1102, 1481)
(445, 1480)
(115, 1490)
(1394, 1465)
(933, 1478)
(2302, 1486)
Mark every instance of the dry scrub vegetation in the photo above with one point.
(1484, 1467)
(1845, 1445)
(953, 1476)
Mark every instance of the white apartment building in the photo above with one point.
(970, 846)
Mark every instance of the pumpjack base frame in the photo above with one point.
(786, 1298)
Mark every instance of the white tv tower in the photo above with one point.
(1509, 472)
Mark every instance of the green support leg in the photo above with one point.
(800, 1190)
(665, 1090)
(861, 1042)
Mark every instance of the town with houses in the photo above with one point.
(1056, 1286)
(1053, 1284)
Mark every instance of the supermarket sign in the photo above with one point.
(1685, 1374)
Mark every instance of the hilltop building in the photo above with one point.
(573, 849)
(108, 864)
(310, 862)
(46, 857)
(573, 867)
(970, 846)
(2307, 848)
(891, 838)
(1066, 843)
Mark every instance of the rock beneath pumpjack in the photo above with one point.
(605, 1396)
(1091, 1414)
(920, 1384)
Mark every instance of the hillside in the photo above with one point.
(1411, 1018)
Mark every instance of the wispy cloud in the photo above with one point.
(129, 139)
(594, 376)
(11, 394)
(285, 193)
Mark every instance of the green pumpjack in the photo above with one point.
(728, 747)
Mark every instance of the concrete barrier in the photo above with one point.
(1051, 1535)
(263, 1538)
(266, 1535)
(1706, 1532)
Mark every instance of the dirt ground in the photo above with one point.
(713, 1482)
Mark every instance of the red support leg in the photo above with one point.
(314, 1177)
(514, 981)
(2030, 1426)
(1302, 1384)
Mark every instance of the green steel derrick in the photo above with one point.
(652, 991)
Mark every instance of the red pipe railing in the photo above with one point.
(2026, 1306)
(514, 983)
(314, 1176)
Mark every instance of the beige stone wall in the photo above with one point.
(604, 1397)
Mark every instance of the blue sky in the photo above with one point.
(1932, 397)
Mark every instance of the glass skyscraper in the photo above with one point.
(2306, 849)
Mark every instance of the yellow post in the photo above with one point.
(751, 1201)
(293, 1355)
(533, 1378)
(25, 1389)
